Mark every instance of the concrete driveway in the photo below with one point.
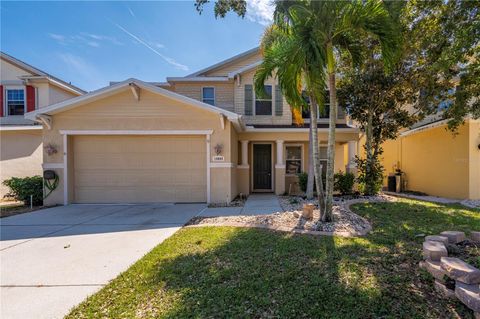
(53, 259)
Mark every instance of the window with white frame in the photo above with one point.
(321, 115)
(15, 101)
(263, 105)
(323, 155)
(293, 160)
(208, 95)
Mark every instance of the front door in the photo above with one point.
(262, 167)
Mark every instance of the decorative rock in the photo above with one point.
(439, 238)
(434, 268)
(444, 291)
(434, 250)
(469, 295)
(454, 237)
(460, 270)
(475, 236)
(296, 214)
(307, 212)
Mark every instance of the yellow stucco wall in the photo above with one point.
(20, 155)
(436, 162)
(153, 112)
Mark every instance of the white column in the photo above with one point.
(244, 153)
(279, 153)
(352, 152)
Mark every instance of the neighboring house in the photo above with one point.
(204, 137)
(435, 161)
(24, 88)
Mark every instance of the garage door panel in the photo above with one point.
(110, 169)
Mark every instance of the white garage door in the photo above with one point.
(138, 169)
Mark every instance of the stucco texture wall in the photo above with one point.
(20, 155)
(437, 162)
(153, 112)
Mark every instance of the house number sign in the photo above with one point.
(218, 158)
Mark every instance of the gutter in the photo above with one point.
(424, 128)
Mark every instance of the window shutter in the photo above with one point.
(30, 98)
(278, 101)
(248, 99)
(1, 100)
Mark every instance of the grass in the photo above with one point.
(249, 273)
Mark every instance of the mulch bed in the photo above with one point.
(17, 210)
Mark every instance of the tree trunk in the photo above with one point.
(316, 156)
(311, 173)
(328, 216)
(368, 150)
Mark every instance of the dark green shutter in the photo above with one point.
(248, 99)
(278, 101)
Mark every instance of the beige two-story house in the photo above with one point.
(204, 137)
(24, 88)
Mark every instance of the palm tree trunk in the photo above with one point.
(310, 165)
(316, 156)
(328, 216)
(368, 148)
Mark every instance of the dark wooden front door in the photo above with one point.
(262, 166)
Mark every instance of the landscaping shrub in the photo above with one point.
(370, 177)
(302, 181)
(343, 183)
(22, 188)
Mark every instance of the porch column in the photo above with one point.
(279, 170)
(243, 171)
(244, 153)
(352, 152)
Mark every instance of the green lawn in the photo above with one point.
(235, 272)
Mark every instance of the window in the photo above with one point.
(208, 95)
(321, 115)
(293, 161)
(263, 106)
(323, 155)
(15, 101)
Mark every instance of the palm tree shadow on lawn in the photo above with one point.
(232, 272)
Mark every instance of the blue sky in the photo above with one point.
(92, 43)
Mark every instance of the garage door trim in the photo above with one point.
(66, 133)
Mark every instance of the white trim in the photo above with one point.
(136, 132)
(243, 166)
(296, 130)
(280, 166)
(52, 165)
(424, 128)
(199, 79)
(272, 168)
(32, 79)
(20, 127)
(302, 159)
(65, 169)
(224, 62)
(214, 94)
(222, 165)
(244, 69)
(208, 168)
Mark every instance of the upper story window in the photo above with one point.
(208, 95)
(15, 101)
(321, 115)
(263, 106)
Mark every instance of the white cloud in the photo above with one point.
(84, 38)
(260, 11)
(151, 48)
(57, 37)
(83, 71)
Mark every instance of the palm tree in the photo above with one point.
(291, 54)
(337, 27)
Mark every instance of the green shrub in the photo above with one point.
(370, 177)
(22, 188)
(343, 183)
(302, 181)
